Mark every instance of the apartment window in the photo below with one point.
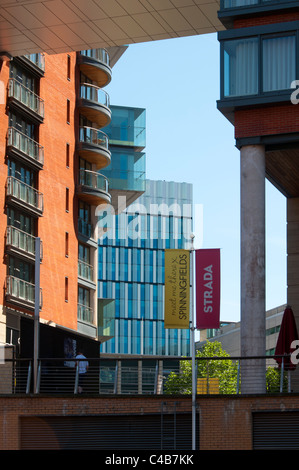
(68, 67)
(66, 288)
(279, 62)
(258, 64)
(67, 199)
(68, 111)
(67, 155)
(66, 244)
(241, 67)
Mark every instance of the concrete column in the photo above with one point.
(253, 338)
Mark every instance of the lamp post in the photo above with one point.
(192, 236)
(36, 311)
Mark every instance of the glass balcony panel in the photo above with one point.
(85, 313)
(98, 54)
(20, 240)
(25, 96)
(93, 136)
(93, 180)
(85, 270)
(20, 289)
(25, 193)
(25, 144)
(127, 170)
(94, 93)
(37, 59)
(127, 127)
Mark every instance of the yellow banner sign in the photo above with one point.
(177, 289)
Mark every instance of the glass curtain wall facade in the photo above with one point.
(131, 269)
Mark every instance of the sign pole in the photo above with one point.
(36, 311)
(193, 346)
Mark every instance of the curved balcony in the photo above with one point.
(93, 188)
(94, 63)
(93, 146)
(93, 103)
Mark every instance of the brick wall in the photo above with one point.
(279, 119)
(225, 422)
(55, 134)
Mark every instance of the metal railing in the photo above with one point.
(26, 96)
(85, 270)
(99, 54)
(25, 144)
(94, 93)
(93, 136)
(38, 59)
(215, 376)
(25, 193)
(21, 240)
(85, 313)
(21, 291)
(94, 180)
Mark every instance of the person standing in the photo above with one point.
(83, 366)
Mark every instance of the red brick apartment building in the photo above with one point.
(49, 153)
(52, 109)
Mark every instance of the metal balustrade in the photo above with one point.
(20, 240)
(26, 145)
(26, 97)
(85, 313)
(94, 93)
(24, 193)
(147, 376)
(100, 54)
(85, 270)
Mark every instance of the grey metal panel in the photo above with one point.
(276, 430)
(103, 432)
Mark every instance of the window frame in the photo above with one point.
(260, 32)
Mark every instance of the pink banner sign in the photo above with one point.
(207, 272)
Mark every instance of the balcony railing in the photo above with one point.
(94, 93)
(21, 241)
(85, 270)
(37, 59)
(94, 180)
(26, 97)
(99, 54)
(20, 291)
(92, 136)
(85, 314)
(149, 377)
(23, 193)
(24, 144)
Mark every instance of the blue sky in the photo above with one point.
(188, 139)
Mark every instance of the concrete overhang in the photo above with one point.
(58, 26)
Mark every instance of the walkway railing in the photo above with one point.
(149, 376)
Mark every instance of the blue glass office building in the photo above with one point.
(131, 269)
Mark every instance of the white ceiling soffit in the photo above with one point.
(56, 26)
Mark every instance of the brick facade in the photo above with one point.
(225, 422)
